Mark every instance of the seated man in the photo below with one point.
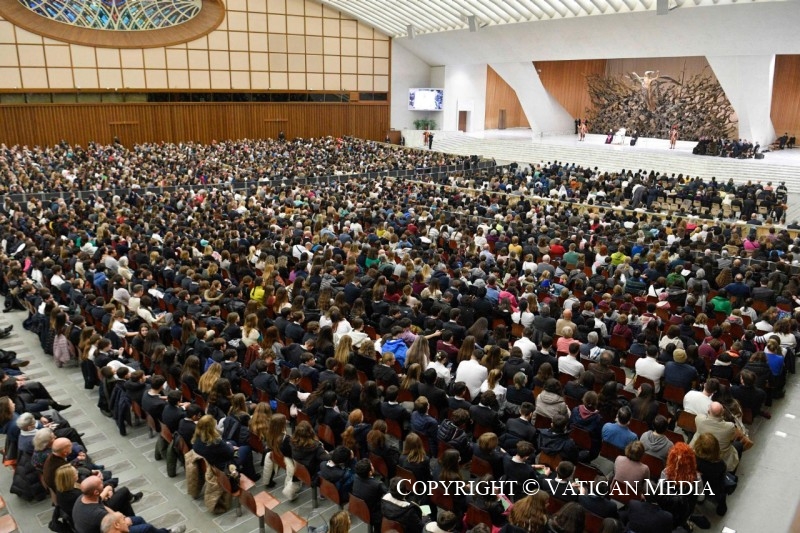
(89, 512)
(617, 433)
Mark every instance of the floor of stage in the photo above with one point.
(644, 144)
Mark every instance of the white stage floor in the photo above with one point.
(644, 144)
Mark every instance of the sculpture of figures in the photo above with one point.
(647, 89)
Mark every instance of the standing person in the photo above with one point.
(673, 137)
(430, 140)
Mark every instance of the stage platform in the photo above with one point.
(522, 146)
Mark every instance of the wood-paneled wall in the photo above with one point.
(786, 95)
(175, 122)
(500, 95)
(566, 82)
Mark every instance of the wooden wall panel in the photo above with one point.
(175, 122)
(500, 95)
(786, 95)
(566, 82)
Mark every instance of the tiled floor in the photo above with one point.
(765, 501)
(166, 503)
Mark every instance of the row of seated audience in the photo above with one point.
(324, 325)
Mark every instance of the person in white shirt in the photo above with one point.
(569, 363)
(440, 365)
(493, 383)
(522, 316)
(698, 402)
(56, 281)
(649, 367)
(473, 374)
(525, 344)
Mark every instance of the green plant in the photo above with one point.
(425, 124)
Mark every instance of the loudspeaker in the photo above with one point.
(472, 20)
(759, 156)
(662, 7)
(410, 31)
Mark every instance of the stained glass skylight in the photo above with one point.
(117, 15)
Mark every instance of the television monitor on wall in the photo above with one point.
(426, 99)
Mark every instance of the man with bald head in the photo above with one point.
(565, 322)
(62, 447)
(726, 433)
(90, 511)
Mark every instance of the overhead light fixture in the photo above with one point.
(663, 7)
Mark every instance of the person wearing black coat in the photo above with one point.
(518, 469)
(264, 381)
(330, 415)
(369, 489)
(385, 372)
(599, 504)
(482, 414)
(391, 409)
(436, 397)
(394, 506)
(520, 428)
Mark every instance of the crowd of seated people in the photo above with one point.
(64, 167)
(738, 149)
(423, 326)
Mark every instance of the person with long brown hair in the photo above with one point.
(280, 449)
(307, 448)
(377, 444)
(529, 514)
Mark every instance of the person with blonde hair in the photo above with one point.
(280, 449)
(340, 522)
(208, 443)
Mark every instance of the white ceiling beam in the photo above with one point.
(601, 5)
(526, 11)
(425, 12)
(533, 8)
(616, 5)
(471, 8)
(586, 6)
(631, 4)
(509, 13)
(572, 6)
(547, 8)
(388, 25)
(648, 4)
(557, 6)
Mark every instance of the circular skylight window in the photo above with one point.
(117, 15)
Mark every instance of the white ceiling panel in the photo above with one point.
(393, 17)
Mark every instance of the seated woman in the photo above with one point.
(487, 448)
(208, 443)
(376, 444)
(550, 401)
(712, 468)
(448, 469)
(415, 459)
(68, 490)
(645, 407)
(307, 449)
(629, 468)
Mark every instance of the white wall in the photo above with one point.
(464, 90)
(747, 81)
(408, 71)
(544, 113)
(758, 28)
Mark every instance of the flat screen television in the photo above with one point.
(426, 99)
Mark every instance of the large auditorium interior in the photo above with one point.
(399, 266)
